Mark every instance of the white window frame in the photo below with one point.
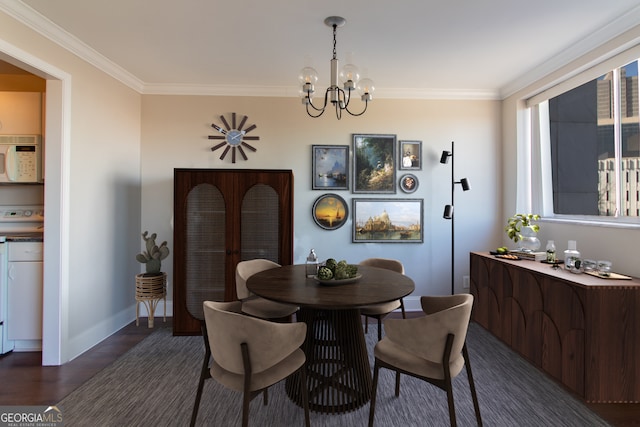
(534, 191)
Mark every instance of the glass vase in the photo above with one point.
(529, 241)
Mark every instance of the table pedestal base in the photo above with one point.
(338, 370)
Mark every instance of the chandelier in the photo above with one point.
(349, 76)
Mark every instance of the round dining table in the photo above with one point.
(338, 369)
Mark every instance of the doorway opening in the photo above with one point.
(56, 157)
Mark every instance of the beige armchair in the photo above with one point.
(251, 305)
(432, 348)
(379, 311)
(254, 305)
(250, 354)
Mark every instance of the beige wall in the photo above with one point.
(92, 198)
(175, 130)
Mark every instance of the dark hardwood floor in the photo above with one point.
(26, 382)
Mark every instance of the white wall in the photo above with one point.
(175, 130)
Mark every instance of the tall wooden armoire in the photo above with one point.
(222, 217)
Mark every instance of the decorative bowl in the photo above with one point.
(334, 282)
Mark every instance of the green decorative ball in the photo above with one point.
(325, 273)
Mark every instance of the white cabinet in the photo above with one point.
(24, 320)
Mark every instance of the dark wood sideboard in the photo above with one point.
(582, 330)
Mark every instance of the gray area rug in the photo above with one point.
(154, 384)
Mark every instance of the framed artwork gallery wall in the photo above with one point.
(369, 167)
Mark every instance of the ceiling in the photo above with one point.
(410, 48)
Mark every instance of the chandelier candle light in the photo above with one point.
(349, 77)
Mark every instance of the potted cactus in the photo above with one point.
(151, 287)
(154, 254)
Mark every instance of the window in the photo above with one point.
(592, 135)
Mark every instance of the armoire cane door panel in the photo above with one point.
(205, 259)
(259, 224)
(222, 217)
(255, 183)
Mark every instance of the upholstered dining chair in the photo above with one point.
(250, 355)
(379, 311)
(251, 305)
(254, 305)
(432, 348)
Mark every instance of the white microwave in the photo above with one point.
(20, 159)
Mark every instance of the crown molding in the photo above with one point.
(292, 92)
(217, 90)
(436, 94)
(38, 23)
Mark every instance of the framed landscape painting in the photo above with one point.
(387, 220)
(330, 167)
(374, 164)
(330, 211)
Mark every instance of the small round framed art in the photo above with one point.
(330, 211)
(409, 183)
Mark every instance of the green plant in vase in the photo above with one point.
(521, 228)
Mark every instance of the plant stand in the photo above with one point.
(150, 290)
